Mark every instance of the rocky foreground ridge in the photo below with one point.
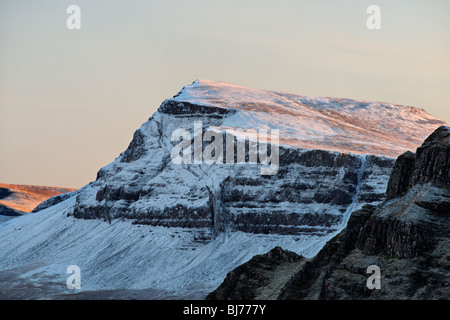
(406, 236)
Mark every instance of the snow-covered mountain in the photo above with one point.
(151, 222)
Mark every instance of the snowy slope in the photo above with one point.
(124, 256)
(147, 222)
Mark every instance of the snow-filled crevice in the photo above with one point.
(356, 196)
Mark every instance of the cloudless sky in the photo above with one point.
(70, 100)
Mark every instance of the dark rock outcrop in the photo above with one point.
(243, 282)
(5, 192)
(430, 163)
(54, 200)
(399, 180)
(9, 212)
(191, 109)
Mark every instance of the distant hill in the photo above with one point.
(16, 199)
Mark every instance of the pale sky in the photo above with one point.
(70, 100)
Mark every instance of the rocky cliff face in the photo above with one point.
(311, 193)
(430, 163)
(407, 237)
